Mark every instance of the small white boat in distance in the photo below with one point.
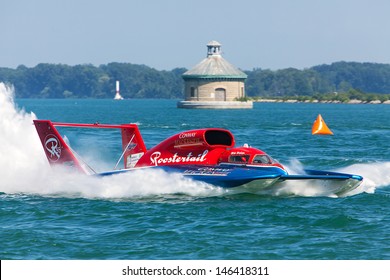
(118, 96)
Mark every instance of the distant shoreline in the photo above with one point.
(353, 101)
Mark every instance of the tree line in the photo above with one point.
(140, 81)
(89, 81)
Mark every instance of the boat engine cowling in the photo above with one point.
(201, 146)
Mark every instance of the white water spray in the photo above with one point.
(21, 160)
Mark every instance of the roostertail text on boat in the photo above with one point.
(208, 155)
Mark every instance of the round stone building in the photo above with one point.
(214, 83)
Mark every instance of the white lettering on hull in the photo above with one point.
(156, 158)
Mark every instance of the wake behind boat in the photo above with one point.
(208, 155)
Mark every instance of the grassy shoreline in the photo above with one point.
(292, 100)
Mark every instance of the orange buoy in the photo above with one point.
(320, 127)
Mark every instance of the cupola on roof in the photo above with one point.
(214, 66)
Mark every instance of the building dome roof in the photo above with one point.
(213, 43)
(214, 66)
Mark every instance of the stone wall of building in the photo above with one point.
(213, 90)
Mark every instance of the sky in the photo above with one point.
(166, 34)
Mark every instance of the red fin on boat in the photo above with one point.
(56, 149)
(320, 127)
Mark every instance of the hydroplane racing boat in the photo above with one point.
(208, 155)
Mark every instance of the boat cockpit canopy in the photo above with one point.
(262, 159)
(246, 159)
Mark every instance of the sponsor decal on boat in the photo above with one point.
(52, 147)
(208, 171)
(156, 158)
(184, 142)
